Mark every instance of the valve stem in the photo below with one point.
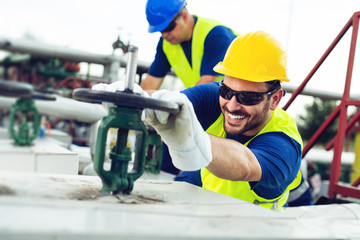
(131, 69)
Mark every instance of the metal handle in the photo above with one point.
(131, 69)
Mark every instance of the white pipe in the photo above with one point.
(325, 95)
(65, 108)
(48, 50)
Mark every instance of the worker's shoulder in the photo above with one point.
(222, 30)
(220, 36)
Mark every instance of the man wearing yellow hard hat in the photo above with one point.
(234, 131)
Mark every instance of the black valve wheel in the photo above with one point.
(22, 90)
(43, 96)
(124, 99)
(15, 89)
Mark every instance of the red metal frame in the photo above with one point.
(339, 112)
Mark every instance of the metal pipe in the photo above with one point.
(131, 69)
(64, 108)
(48, 50)
(314, 92)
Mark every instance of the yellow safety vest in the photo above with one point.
(280, 122)
(177, 58)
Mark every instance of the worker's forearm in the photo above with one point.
(233, 161)
(207, 79)
(151, 83)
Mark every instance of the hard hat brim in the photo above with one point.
(220, 68)
(159, 27)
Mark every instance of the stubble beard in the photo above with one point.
(252, 121)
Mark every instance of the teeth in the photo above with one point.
(236, 117)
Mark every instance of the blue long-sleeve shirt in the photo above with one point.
(276, 152)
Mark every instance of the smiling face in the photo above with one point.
(246, 120)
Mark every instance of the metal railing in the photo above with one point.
(335, 187)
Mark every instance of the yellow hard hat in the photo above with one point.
(256, 57)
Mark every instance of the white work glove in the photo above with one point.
(118, 86)
(189, 145)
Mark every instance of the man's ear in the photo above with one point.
(275, 99)
(185, 16)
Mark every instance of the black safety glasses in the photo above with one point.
(242, 97)
(172, 24)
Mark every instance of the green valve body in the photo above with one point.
(154, 155)
(118, 179)
(25, 134)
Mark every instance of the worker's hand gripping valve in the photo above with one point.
(189, 145)
(118, 86)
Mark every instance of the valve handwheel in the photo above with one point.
(124, 99)
(15, 89)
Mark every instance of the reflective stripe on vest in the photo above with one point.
(177, 58)
(280, 122)
(295, 194)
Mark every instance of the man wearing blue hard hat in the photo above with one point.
(189, 44)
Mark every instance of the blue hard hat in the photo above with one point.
(159, 13)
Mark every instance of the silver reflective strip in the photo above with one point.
(297, 192)
(275, 206)
(275, 202)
